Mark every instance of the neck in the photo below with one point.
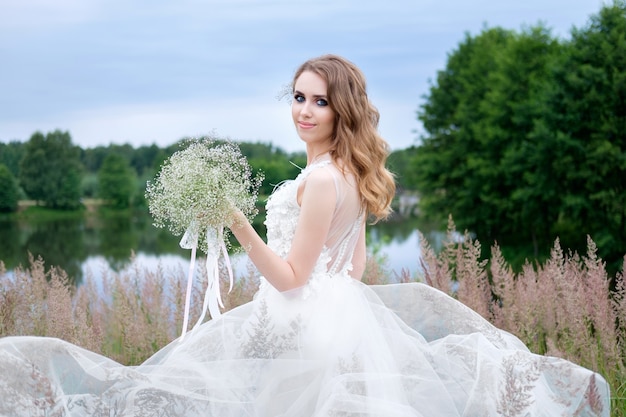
(317, 155)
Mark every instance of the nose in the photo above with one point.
(305, 109)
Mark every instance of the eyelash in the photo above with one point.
(320, 101)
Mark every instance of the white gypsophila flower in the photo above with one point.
(198, 186)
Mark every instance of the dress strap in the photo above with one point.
(311, 167)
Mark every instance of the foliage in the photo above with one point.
(265, 159)
(446, 164)
(92, 158)
(10, 155)
(399, 163)
(9, 191)
(50, 170)
(589, 93)
(526, 139)
(145, 159)
(31, 178)
(273, 163)
(116, 181)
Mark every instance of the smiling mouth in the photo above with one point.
(305, 125)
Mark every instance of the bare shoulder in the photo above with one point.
(321, 177)
(319, 184)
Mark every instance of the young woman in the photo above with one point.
(315, 341)
(352, 184)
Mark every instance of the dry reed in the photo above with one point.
(567, 307)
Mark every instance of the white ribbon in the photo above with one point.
(212, 297)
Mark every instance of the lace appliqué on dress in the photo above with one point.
(266, 339)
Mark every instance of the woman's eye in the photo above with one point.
(321, 102)
(299, 98)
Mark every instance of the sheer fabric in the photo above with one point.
(334, 347)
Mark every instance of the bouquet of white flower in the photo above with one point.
(195, 193)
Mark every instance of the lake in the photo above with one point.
(98, 242)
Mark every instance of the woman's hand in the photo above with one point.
(235, 216)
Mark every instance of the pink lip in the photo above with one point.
(305, 125)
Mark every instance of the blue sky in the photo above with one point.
(142, 72)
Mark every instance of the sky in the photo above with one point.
(155, 71)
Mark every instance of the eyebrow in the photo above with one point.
(314, 95)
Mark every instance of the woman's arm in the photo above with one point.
(317, 205)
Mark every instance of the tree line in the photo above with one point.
(50, 170)
(525, 139)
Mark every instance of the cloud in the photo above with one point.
(141, 71)
(165, 123)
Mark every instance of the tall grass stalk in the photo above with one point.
(567, 307)
(126, 316)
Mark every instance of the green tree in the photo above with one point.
(50, 170)
(10, 155)
(9, 191)
(588, 129)
(92, 158)
(400, 162)
(144, 158)
(275, 164)
(449, 168)
(519, 197)
(116, 181)
(526, 138)
(32, 174)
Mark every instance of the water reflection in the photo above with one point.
(59, 242)
(87, 241)
(10, 246)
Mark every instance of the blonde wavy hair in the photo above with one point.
(355, 140)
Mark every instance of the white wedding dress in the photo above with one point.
(335, 347)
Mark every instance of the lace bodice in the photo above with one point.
(283, 213)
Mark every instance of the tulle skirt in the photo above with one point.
(336, 347)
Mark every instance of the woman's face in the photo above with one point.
(311, 112)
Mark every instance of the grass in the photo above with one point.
(567, 306)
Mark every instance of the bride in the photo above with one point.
(315, 341)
